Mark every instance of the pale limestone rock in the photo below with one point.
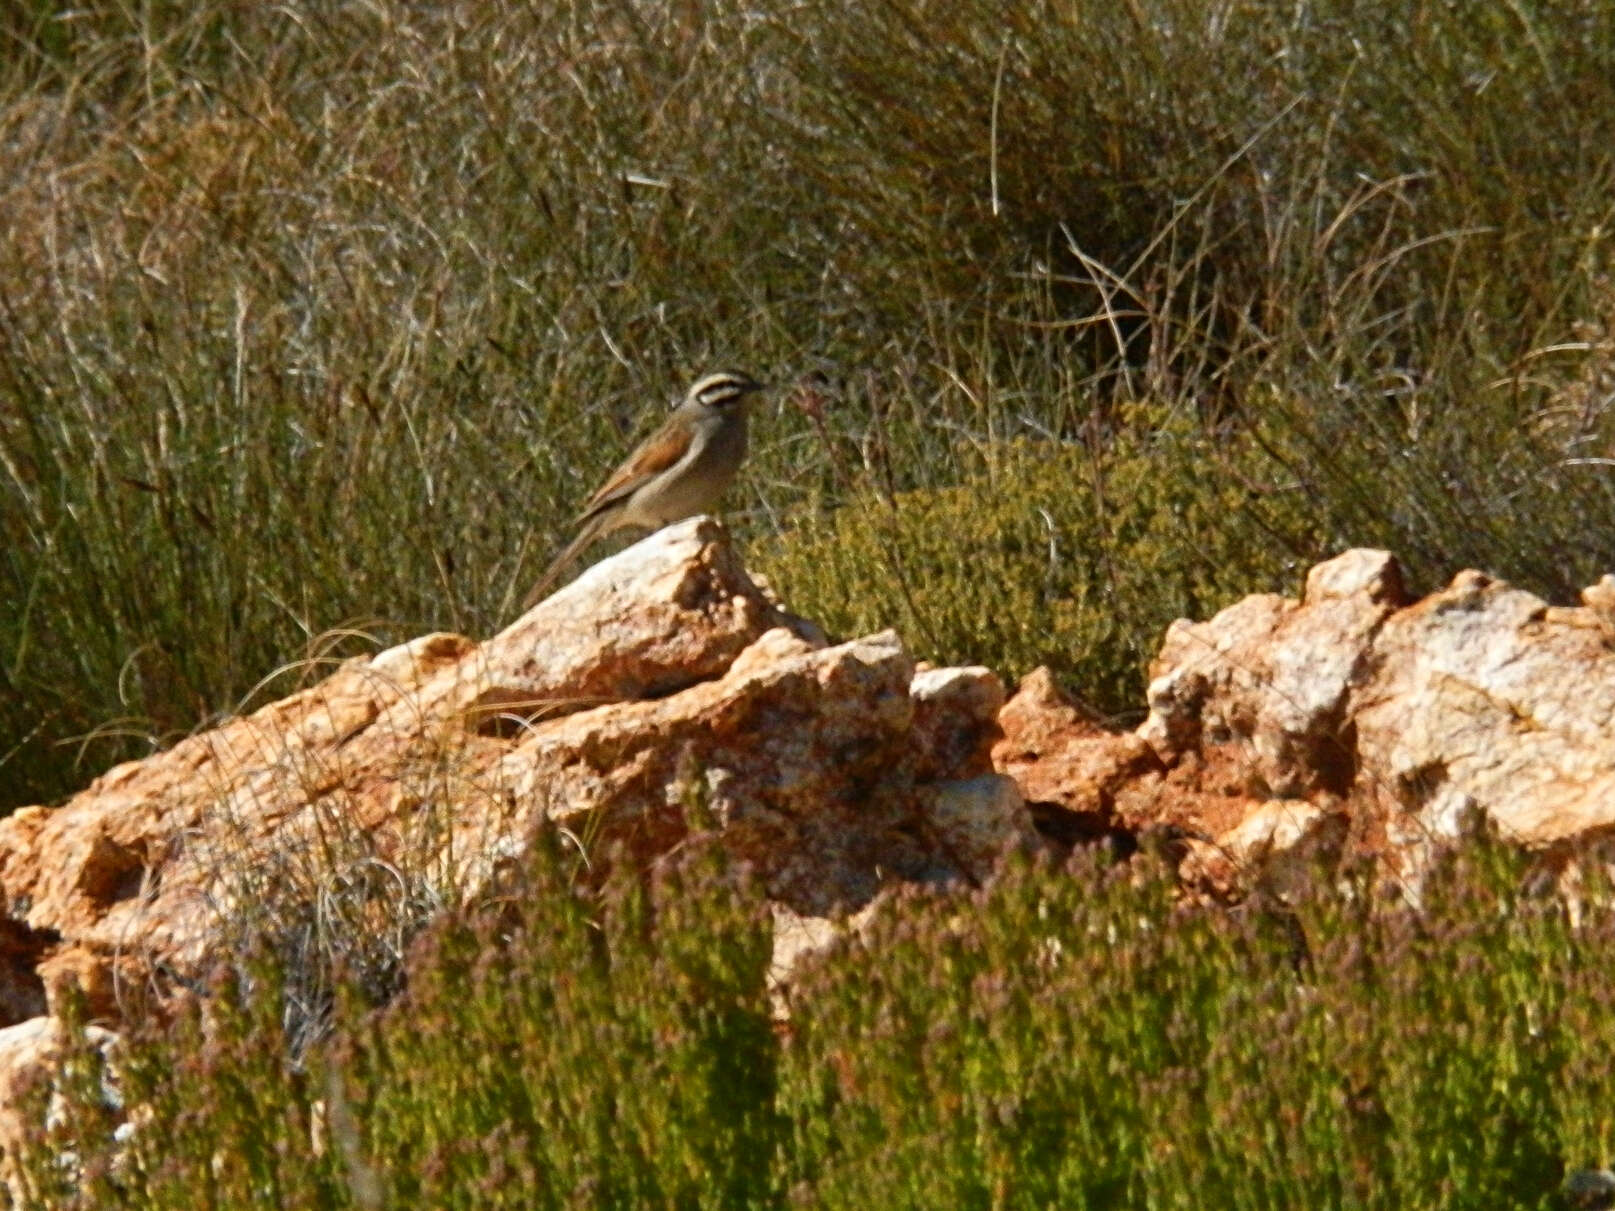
(1406, 717)
(797, 937)
(1484, 697)
(670, 611)
(979, 821)
(1273, 675)
(28, 1054)
(1277, 825)
(955, 720)
(800, 937)
(1281, 845)
(800, 753)
(1600, 599)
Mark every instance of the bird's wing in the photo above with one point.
(659, 452)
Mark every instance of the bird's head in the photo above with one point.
(723, 390)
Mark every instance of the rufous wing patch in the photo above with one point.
(659, 452)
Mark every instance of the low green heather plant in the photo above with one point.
(611, 1051)
(1077, 1040)
(555, 1048)
(1073, 1036)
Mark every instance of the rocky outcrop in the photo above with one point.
(1354, 720)
(663, 681)
(665, 691)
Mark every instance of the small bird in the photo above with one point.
(678, 471)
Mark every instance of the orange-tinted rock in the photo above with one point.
(1058, 757)
(661, 683)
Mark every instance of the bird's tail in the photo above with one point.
(558, 565)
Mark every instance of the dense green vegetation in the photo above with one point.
(1068, 1038)
(316, 320)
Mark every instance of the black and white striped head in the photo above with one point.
(723, 390)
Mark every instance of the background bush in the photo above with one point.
(1075, 557)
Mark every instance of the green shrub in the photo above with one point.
(577, 1052)
(1074, 1040)
(1055, 555)
(1071, 1036)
